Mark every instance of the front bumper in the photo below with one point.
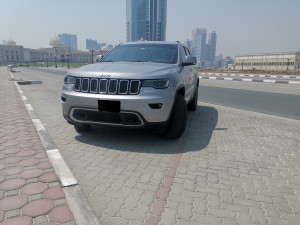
(135, 110)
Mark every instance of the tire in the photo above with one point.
(192, 105)
(178, 119)
(81, 127)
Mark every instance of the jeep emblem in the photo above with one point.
(105, 76)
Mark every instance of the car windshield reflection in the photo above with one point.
(163, 53)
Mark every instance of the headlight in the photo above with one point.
(161, 83)
(69, 80)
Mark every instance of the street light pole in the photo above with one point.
(288, 63)
(68, 56)
(55, 58)
(243, 64)
(92, 51)
(47, 61)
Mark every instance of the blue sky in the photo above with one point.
(242, 26)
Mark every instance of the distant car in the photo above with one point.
(142, 84)
(11, 67)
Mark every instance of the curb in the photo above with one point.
(207, 77)
(251, 75)
(82, 211)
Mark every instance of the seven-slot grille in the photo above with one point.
(107, 86)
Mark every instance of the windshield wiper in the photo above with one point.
(136, 60)
(109, 61)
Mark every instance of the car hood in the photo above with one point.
(125, 70)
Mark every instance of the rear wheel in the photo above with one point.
(178, 119)
(82, 127)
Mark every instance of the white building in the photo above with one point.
(11, 53)
(281, 61)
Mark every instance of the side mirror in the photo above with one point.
(190, 60)
(99, 58)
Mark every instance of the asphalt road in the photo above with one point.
(278, 104)
(54, 71)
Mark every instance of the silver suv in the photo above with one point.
(141, 85)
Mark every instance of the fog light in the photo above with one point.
(63, 99)
(156, 105)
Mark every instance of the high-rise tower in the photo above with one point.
(199, 44)
(70, 40)
(211, 53)
(146, 19)
(204, 52)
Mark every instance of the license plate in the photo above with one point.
(109, 106)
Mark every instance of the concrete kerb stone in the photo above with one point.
(26, 82)
(61, 168)
(82, 211)
(29, 82)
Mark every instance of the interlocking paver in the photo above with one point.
(29, 162)
(34, 188)
(18, 220)
(9, 160)
(12, 184)
(11, 170)
(61, 214)
(14, 202)
(26, 153)
(48, 177)
(54, 193)
(38, 207)
(21, 198)
(11, 150)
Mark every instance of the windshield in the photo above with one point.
(159, 53)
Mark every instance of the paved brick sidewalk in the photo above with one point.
(30, 192)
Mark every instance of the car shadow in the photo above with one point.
(197, 136)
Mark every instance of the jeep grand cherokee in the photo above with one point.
(141, 84)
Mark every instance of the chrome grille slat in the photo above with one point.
(134, 87)
(94, 85)
(113, 86)
(107, 86)
(85, 84)
(123, 87)
(103, 86)
(77, 84)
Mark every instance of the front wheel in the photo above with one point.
(192, 105)
(178, 119)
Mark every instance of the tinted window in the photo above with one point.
(160, 53)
